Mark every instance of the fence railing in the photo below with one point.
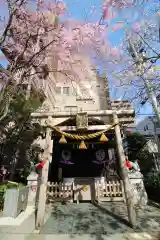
(60, 192)
(109, 191)
(106, 191)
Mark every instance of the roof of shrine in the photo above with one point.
(72, 122)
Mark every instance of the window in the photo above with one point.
(56, 109)
(146, 128)
(74, 91)
(66, 90)
(58, 90)
(71, 108)
(157, 125)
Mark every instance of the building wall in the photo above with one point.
(89, 97)
(74, 87)
(87, 91)
(147, 127)
(150, 128)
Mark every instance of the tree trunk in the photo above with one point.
(124, 175)
(29, 87)
(42, 182)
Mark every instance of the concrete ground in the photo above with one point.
(106, 218)
(86, 221)
(77, 237)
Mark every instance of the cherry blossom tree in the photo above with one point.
(34, 32)
(144, 35)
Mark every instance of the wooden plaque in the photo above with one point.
(82, 121)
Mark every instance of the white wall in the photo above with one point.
(87, 92)
(146, 127)
(87, 99)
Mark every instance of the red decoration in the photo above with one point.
(129, 132)
(33, 188)
(40, 165)
(128, 164)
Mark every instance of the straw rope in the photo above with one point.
(81, 137)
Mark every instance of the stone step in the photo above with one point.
(133, 236)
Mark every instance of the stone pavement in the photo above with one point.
(126, 236)
(86, 221)
(107, 218)
(9, 221)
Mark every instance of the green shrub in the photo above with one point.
(152, 180)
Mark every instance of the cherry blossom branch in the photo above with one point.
(148, 45)
(12, 11)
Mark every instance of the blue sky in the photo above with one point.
(78, 10)
(81, 9)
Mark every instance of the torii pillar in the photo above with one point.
(124, 175)
(42, 181)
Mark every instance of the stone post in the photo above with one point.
(140, 195)
(32, 183)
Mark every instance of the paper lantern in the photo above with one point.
(82, 145)
(62, 139)
(103, 138)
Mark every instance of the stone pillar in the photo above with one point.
(32, 183)
(124, 175)
(140, 195)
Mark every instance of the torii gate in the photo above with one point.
(43, 178)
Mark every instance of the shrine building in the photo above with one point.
(82, 136)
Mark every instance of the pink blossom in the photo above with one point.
(107, 13)
(117, 26)
(136, 27)
(114, 52)
(109, 2)
(37, 36)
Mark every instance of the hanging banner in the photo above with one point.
(100, 156)
(66, 157)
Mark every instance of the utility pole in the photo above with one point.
(146, 82)
(155, 156)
